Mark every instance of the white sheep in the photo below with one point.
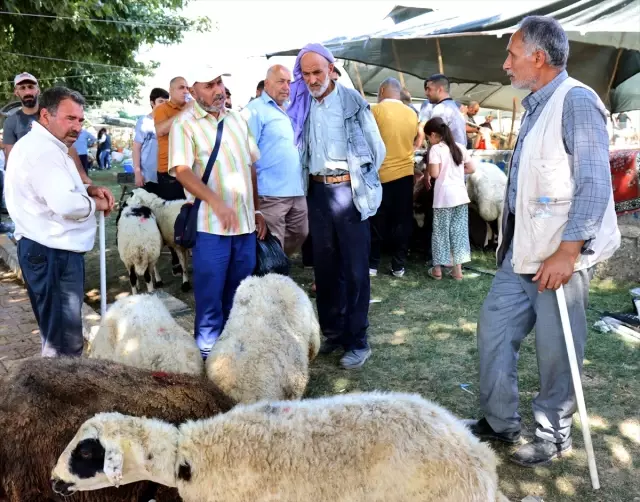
(354, 448)
(268, 341)
(139, 331)
(486, 188)
(139, 244)
(166, 212)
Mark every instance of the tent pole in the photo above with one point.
(513, 123)
(355, 65)
(440, 65)
(397, 61)
(500, 121)
(613, 73)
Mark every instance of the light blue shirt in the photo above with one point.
(82, 143)
(146, 135)
(279, 169)
(327, 136)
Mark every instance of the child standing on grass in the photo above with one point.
(448, 162)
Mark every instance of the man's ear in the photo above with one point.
(331, 68)
(113, 462)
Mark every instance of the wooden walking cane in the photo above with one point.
(577, 386)
(103, 268)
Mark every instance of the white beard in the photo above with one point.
(323, 89)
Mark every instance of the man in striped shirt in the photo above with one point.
(225, 249)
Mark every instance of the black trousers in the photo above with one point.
(167, 188)
(394, 220)
(340, 256)
(84, 160)
(55, 284)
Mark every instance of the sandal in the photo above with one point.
(455, 277)
(433, 276)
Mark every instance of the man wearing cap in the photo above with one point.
(225, 249)
(342, 151)
(17, 125)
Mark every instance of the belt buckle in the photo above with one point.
(324, 176)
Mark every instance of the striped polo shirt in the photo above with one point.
(191, 141)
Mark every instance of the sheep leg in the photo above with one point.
(133, 280)
(176, 267)
(182, 255)
(156, 275)
(147, 279)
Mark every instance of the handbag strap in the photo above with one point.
(212, 157)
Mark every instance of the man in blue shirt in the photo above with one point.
(82, 144)
(280, 182)
(145, 143)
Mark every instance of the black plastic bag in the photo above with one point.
(270, 257)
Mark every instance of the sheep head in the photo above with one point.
(140, 197)
(109, 449)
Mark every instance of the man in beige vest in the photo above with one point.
(558, 223)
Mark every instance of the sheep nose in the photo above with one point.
(61, 488)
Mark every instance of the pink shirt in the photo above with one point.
(449, 189)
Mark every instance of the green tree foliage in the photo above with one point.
(73, 33)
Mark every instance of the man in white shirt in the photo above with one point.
(54, 214)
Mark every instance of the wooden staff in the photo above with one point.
(513, 123)
(397, 61)
(440, 64)
(355, 65)
(613, 73)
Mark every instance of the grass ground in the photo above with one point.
(423, 337)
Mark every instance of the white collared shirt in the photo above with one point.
(45, 195)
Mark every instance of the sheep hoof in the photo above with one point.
(186, 287)
(159, 284)
(176, 270)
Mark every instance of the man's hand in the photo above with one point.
(103, 197)
(261, 226)
(558, 268)
(226, 215)
(139, 179)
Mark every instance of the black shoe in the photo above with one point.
(327, 347)
(482, 430)
(540, 452)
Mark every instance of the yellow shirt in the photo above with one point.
(398, 126)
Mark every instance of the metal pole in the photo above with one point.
(103, 268)
(577, 387)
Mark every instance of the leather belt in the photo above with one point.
(331, 180)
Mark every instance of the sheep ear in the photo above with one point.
(113, 462)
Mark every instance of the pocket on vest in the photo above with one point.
(547, 223)
(549, 178)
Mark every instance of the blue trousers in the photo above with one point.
(55, 284)
(341, 244)
(220, 263)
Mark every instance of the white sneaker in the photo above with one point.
(373, 272)
(398, 273)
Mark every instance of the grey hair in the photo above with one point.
(541, 33)
(392, 84)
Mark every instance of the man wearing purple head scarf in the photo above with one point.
(341, 152)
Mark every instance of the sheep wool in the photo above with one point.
(486, 189)
(166, 213)
(369, 447)
(268, 341)
(139, 331)
(43, 402)
(139, 244)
